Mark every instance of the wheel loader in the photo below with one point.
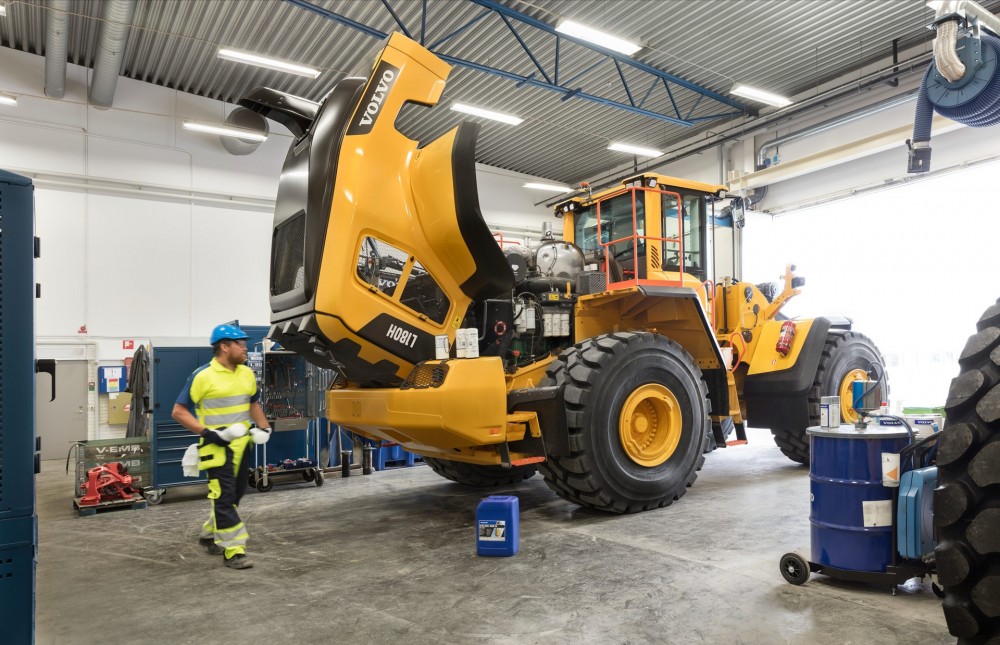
(607, 360)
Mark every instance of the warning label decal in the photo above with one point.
(492, 530)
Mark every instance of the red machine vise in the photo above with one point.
(106, 482)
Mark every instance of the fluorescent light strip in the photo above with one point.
(636, 150)
(760, 95)
(7, 100)
(226, 131)
(591, 35)
(269, 63)
(549, 187)
(486, 114)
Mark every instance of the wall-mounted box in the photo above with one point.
(119, 406)
(112, 379)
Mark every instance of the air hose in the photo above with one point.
(973, 99)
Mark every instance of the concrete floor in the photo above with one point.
(390, 558)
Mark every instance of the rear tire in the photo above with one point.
(967, 500)
(603, 376)
(843, 354)
(477, 475)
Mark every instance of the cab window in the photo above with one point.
(687, 227)
(616, 223)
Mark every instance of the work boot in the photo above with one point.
(239, 561)
(211, 546)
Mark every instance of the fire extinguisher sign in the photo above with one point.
(128, 344)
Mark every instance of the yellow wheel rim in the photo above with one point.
(847, 413)
(650, 425)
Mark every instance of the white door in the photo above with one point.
(61, 422)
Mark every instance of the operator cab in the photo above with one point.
(637, 229)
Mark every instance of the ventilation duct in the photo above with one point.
(116, 23)
(244, 118)
(56, 39)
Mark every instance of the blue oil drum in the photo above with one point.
(851, 511)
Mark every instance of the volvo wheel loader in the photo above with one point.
(606, 360)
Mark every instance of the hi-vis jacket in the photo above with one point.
(219, 398)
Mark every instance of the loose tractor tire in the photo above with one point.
(967, 500)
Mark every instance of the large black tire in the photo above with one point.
(479, 476)
(967, 500)
(599, 376)
(843, 353)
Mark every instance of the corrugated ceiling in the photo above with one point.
(785, 46)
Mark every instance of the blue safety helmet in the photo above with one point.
(227, 332)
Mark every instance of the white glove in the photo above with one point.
(234, 431)
(260, 435)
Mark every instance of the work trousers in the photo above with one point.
(226, 485)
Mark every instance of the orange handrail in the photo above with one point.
(635, 237)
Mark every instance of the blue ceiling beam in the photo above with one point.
(564, 89)
(399, 22)
(621, 58)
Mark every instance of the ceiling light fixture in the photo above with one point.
(600, 38)
(636, 150)
(225, 130)
(754, 94)
(486, 114)
(269, 63)
(6, 99)
(552, 188)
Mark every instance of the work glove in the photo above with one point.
(260, 435)
(224, 436)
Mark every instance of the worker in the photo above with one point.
(223, 394)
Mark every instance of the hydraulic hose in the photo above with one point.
(938, 93)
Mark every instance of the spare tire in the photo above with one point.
(967, 500)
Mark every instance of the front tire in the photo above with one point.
(637, 416)
(967, 500)
(846, 356)
(478, 475)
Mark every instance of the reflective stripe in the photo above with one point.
(208, 528)
(226, 401)
(239, 540)
(232, 537)
(225, 419)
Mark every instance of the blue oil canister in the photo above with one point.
(497, 530)
(851, 512)
(915, 516)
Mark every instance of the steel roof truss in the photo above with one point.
(551, 82)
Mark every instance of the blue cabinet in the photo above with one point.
(18, 447)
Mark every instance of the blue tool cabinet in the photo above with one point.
(18, 447)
